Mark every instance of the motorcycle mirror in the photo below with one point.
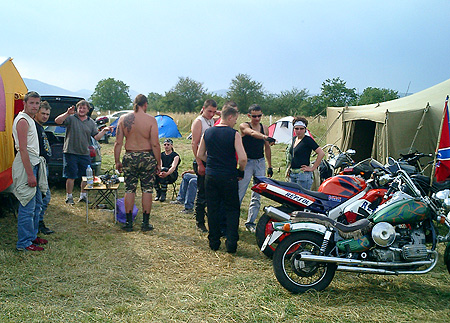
(391, 161)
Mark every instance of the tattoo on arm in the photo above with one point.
(128, 121)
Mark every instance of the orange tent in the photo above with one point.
(12, 91)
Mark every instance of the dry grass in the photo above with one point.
(97, 273)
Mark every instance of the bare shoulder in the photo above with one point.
(244, 125)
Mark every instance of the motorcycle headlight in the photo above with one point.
(383, 180)
(443, 197)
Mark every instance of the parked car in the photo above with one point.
(56, 135)
(116, 115)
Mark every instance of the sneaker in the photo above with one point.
(69, 200)
(31, 248)
(39, 241)
(176, 202)
(82, 199)
(250, 227)
(201, 227)
(187, 211)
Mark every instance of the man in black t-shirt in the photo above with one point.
(45, 150)
(169, 170)
(218, 148)
(257, 142)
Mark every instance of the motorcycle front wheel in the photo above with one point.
(299, 276)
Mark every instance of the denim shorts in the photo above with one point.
(74, 166)
(304, 179)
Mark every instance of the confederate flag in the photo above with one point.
(443, 154)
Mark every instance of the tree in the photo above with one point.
(111, 94)
(155, 101)
(335, 94)
(375, 95)
(185, 96)
(291, 102)
(220, 100)
(245, 92)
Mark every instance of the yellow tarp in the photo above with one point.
(11, 86)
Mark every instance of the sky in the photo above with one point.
(401, 45)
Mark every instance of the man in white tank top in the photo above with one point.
(201, 123)
(24, 172)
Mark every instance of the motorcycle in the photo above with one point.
(101, 123)
(337, 161)
(344, 197)
(400, 237)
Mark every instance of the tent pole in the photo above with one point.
(328, 130)
(433, 169)
(419, 126)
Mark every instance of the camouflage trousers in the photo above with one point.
(139, 165)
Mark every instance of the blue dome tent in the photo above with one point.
(167, 128)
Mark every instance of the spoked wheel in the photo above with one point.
(298, 276)
(263, 229)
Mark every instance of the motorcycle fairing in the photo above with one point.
(294, 194)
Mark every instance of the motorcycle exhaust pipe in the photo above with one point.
(355, 262)
(276, 214)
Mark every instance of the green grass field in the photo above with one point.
(95, 272)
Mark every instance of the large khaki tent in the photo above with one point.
(392, 127)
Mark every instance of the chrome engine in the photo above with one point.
(407, 244)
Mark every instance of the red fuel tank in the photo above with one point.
(343, 186)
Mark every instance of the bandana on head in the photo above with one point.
(299, 123)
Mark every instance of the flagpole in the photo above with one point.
(433, 169)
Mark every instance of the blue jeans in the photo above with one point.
(28, 218)
(188, 190)
(255, 167)
(45, 202)
(305, 179)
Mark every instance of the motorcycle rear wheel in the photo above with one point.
(299, 276)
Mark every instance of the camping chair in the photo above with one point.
(174, 192)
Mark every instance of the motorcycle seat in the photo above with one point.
(301, 216)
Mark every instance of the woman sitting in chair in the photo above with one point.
(169, 170)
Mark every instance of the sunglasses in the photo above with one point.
(167, 144)
(256, 115)
(299, 128)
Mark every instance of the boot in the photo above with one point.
(129, 224)
(145, 225)
(163, 192)
(162, 198)
(43, 229)
(158, 194)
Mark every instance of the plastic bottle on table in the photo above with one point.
(89, 177)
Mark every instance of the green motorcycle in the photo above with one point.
(400, 237)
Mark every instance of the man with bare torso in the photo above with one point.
(141, 160)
